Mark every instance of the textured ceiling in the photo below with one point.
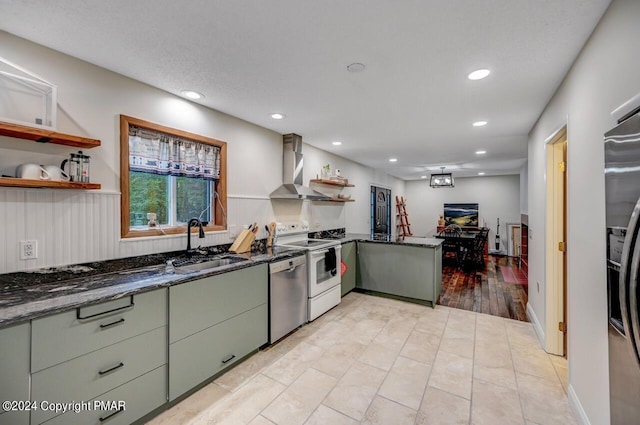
(413, 102)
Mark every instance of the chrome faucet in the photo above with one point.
(192, 222)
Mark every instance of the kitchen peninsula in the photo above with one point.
(409, 269)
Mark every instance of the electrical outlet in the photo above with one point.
(233, 233)
(28, 250)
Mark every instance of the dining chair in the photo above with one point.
(452, 247)
(478, 247)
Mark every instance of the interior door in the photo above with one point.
(555, 241)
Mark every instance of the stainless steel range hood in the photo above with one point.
(292, 160)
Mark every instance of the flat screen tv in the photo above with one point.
(464, 215)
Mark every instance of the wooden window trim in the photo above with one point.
(221, 186)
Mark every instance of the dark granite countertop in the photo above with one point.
(37, 293)
(409, 241)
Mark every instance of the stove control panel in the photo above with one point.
(292, 228)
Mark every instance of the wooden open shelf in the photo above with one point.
(331, 182)
(13, 182)
(46, 136)
(340, 200)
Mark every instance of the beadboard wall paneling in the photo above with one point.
(80, 226)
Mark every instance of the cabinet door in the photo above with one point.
(350, 258)
(14, 370)
(406, 271)
(200, 304)
(198, 357)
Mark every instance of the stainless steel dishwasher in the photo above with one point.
(287, 296)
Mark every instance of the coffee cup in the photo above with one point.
(56, 173)
(32, 172)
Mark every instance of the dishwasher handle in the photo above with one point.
(288, 265)
(293, 268)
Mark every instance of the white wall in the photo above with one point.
(524, 189)
(80, 226)
(497, 197)
(603, 77)
(356, 214)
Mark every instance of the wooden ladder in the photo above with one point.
(403, 227)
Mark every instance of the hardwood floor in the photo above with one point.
(485, 290)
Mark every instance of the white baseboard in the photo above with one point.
(575, 404)
(531, 314)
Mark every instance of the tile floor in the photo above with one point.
(374, 360)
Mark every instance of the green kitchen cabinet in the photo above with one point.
(349, 255)
(14, 371)
(140, 396)
(204, 354)
(89, 376)
(114, 347)
(213, 323)
(72, 333)
(401, 270)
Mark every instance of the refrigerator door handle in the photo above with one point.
(629, 253)
(633, 300)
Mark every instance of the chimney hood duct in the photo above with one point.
(292, 160)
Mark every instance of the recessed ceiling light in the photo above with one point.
(393, 159)
(480, 152)
(423, 177)
(192, 94)
(481, 173)
(336, 143)
(479, 123)
(277, 116)
(356, 67)
(479, 74)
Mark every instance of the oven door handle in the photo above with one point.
(324, 251)
(319, 252)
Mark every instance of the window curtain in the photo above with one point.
(159, 153)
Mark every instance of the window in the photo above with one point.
(170, 173)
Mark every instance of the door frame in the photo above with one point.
(556, 231)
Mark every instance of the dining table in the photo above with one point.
(464, 243)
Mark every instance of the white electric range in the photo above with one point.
(323, 265)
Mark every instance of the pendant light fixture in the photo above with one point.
(441, 179)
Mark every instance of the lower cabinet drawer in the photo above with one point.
(14, 418)
(140, 396)
(88, 376)
(63, 336)
(196, 358)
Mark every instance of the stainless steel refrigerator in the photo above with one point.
(622, 182)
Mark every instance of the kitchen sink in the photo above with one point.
(206, 264)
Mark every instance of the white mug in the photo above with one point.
(32, 172)
(56, 173)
